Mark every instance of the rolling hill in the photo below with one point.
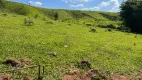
(70, 37)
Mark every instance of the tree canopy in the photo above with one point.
(131, 13)
(2, 5)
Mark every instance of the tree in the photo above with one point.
(2, 4)
(56, 16)
(131, 13)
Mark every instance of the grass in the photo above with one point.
(109, 51)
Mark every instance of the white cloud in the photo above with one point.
(30, 2)
(35, 3)
(92, 8)
(38, 3)
(74, 1)
(78, 5)
(104, 4)
(111, 3)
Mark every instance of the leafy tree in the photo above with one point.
(2, 4)
(131, 13)
(56, 16)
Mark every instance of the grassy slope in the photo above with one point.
(109, 51)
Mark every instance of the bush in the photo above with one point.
(55, 16)
(88, 24)
(17, 8)
(36, 16)
(4, 14)
(124, 29)
(21, 10)
(109, 30)
(49, 22)
(92, 30)
(108, 26)
(28, 22)
(2, 4)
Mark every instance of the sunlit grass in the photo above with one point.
(109, 51)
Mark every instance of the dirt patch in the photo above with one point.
(27, 78)
(12, 62)
(5, 77)
(118, 77)
(17, 63)
(76, 74)
(137, 75)
(92, 74)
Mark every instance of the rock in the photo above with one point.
(52, 53)
(65, 46)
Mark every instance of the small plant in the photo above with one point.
(92, 30)
(28, 22)
(123, 29)
(55, 16)
(84, 65)
(88, 24)
(49, 22)
(4, 14)
(44, 18)
(36, 16)
(109, 30)
(108, 26)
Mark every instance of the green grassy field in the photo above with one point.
(109, 51)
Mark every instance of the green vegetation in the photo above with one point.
(112, 51)
(131, 11)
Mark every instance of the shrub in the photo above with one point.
(108, 26)
(92, 30)
(49, 22)
(28, 22)
(4, 14)
(124, 29)
(109, 30)
(2, 4)
(88, 24)
(17, 8)
(44, 18)
(55, 16)
(36, 16)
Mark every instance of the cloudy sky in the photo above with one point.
(94, 5)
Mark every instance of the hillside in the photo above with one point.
(70, 37)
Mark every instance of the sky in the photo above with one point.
(92, 5)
